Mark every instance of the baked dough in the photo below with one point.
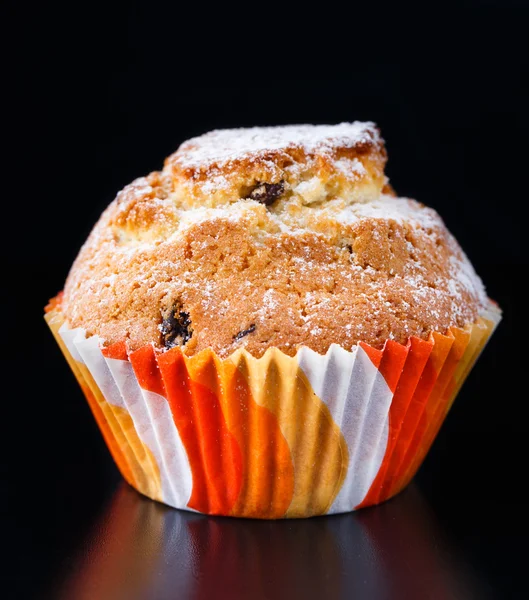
(277, 236)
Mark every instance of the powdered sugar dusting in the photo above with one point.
(350, 167)
(464, 277)
(389, 207)
(224, 145)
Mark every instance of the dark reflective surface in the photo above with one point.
(143, 550)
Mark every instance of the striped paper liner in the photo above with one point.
(277, 436)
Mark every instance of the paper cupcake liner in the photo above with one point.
(277, 436)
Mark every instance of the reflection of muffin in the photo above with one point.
(197, 313)
(140, 550)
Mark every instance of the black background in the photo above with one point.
(99, 101)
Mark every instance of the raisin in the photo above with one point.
(176, 326)
(241, 334)
(267, 193)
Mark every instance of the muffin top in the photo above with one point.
(273, 236)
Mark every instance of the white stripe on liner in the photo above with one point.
(126, 381)
(68, 336)
(152, 416)
(149, 411)
(173, 450)
(358, 398)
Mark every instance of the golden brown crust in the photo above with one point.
(318, 265)
(226, 165)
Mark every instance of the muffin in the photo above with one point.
(264, 329)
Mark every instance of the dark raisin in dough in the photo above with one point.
(267, 193)
(176, 326)
(241, 334)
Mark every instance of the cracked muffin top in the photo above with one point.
(274, 236)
